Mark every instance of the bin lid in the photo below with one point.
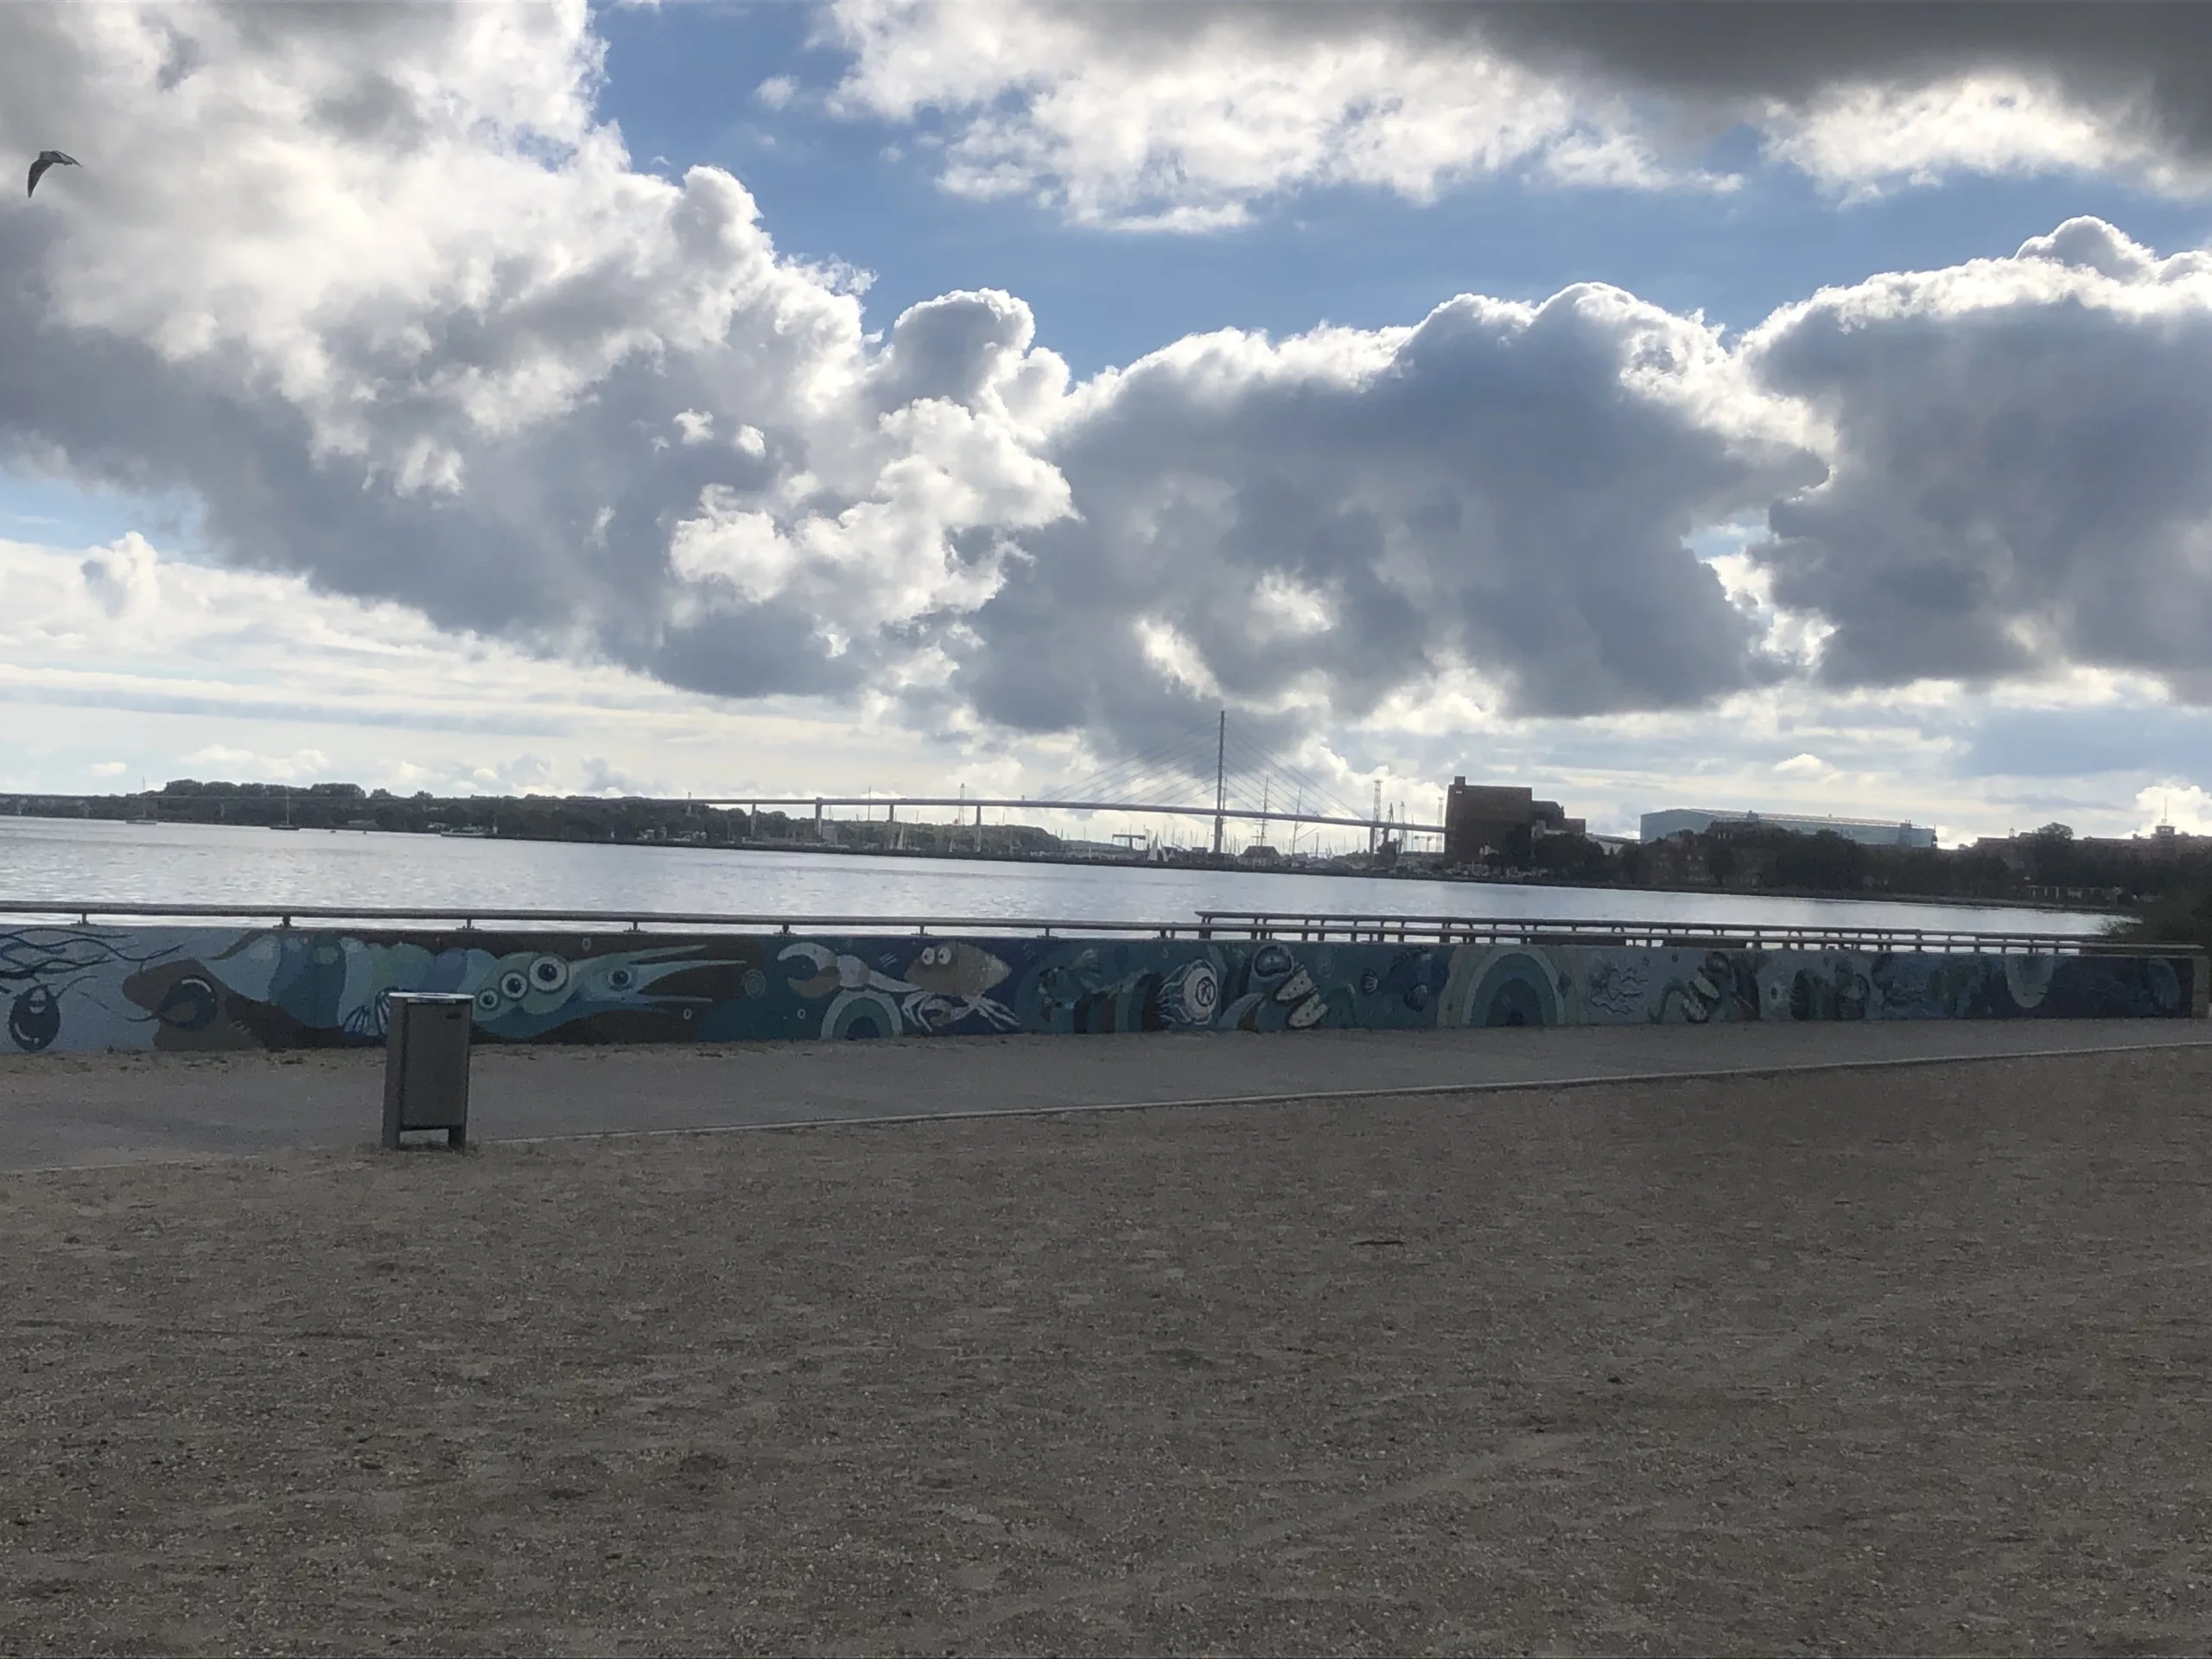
(429, 996)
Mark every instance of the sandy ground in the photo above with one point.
(1904, 1361)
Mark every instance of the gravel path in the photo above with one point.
(1904, 1361)
(57, 1111)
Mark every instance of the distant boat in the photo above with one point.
(283, 826)
(468, 831)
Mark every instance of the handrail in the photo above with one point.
(474, 916)
(1308, 927)
(1320, 927)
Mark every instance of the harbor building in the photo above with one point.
(1869, 832)
(1481, 816)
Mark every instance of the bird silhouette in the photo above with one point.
(49, 158)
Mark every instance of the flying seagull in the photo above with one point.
(49, 158)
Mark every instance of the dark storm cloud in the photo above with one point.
(2146, 58)
(2142, 66)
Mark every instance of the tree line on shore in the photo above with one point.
(2165, 882)
(627, 819)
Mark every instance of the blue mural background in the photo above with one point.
(201, 989)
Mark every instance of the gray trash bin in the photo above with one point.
(426, 1064)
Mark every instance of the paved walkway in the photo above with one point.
(79, 1110)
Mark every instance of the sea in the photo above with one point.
(74, 861)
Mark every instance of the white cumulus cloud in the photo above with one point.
(1179, 118)
(378, 287)
(380, 292)
(2020, 456)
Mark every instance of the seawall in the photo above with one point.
(208, 989)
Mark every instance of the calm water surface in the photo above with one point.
(102, 862)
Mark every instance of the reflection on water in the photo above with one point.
(93, 862)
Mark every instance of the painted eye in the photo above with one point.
(189, 1006)
(548, 973)
(488, 999)
(513, 985)
(621, 979)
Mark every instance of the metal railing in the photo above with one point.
(1313, 928)
(1717, 936)
(474, 917)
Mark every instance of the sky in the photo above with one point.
(1786, 406)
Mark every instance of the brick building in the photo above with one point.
(1480, 818)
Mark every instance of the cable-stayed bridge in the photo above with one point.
(1246, 784)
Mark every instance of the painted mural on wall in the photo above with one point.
(199, 989)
